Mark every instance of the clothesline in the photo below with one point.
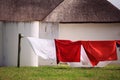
(68, 51)
(49, 55)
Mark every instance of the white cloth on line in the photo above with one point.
(44, 48)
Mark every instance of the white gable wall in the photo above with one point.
(10, 43)
(97, 31)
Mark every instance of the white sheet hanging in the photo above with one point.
(44, 48)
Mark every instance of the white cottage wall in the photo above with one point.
(10, 43)
(10, 31)
(28, 57)
(1, 56)
(90, 31)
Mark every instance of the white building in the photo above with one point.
(68, 19)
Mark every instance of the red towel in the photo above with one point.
(100, 51)
(68, 51)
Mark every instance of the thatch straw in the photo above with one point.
(26, 10)
(59, 11)
(84, 11)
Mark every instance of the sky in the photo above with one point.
(115, 2)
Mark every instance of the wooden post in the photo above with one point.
(19, 49)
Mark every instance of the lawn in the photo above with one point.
(110, 72)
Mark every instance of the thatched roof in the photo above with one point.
(59, 11)
(84, 11)
(26, 10)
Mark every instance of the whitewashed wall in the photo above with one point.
(1, 44)
(49, 30)
(10, 43)
(90, 32)
(9, 38)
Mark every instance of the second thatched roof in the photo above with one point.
(84, 11)
(59, 11)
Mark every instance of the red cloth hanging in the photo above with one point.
(68, 51)
(100, 51)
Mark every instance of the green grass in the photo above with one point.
(110, 72)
